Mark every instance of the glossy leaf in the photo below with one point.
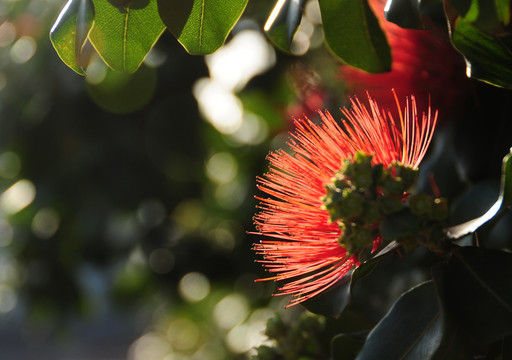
(123, 36)
(414, 328)
(479, 292)
(70, 31)
(201, 26)
(504, 201)
(488, 58)
(283, 22)
(404, 13)
(353, 34)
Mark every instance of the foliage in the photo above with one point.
(132, 173)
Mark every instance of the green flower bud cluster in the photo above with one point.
(361, 196)
(300, 340)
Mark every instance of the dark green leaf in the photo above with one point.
(123, 36)
(404, 13)
(411, 329)
(504, 201)
(415, 328)
(347, 346)
(283, 22)
(478, 292)
(201, 26)
(487, 57)
(333, 301)
(70, 31)
(353, 34)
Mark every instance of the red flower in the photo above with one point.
(424, 63)
(306, 254)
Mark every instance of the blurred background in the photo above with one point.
(126, 201)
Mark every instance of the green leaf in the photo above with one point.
(503, 11)
(414, 328)
(488, 58)
(499, 207)
(410, 330)
(347, 346)
(201, 26)
(483, 14)
(123, 36)
(334, 301)
(478, 290)
(353, 34)
(70, 31)
(404, 13)
(283, 22)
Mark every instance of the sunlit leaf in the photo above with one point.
(70, 31)
(123, 36)
(201, 26)
(283, 23)
(353, 34)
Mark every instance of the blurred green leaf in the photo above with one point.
(404, 13)
(503, 11)
(353, 34)
(201, 26)
(478, 292)
(283, 23)
(123, 36)
(70, 31)
(122, 93)
(483, 14)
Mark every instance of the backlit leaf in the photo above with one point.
(70, 31)
(123, 36)
(201, 26)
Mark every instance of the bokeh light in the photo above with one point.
(194, 287)
(17, 197)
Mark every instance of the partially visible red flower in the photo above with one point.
(424, 63)
(305, 254)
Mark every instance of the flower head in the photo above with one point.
(308, 252)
